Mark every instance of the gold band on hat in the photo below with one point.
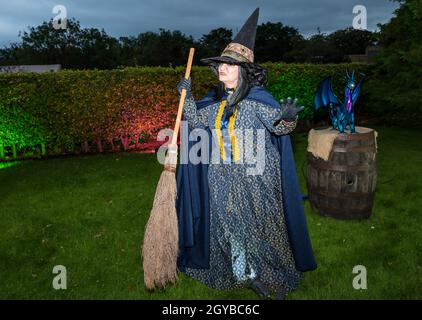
(238, 52)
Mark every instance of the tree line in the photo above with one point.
(86, 48)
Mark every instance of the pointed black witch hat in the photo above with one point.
(240, 50)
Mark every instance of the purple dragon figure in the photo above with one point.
(341, 114)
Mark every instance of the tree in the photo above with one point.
(274, 41)
(351, 41)
(130, 51)
(45, 45)
(72, 47)
(319, 49)
(395, 90)
(99, 50)
(213, 43)
(164, 49)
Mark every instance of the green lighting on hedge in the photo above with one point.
(4, 165)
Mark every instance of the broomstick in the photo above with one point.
(161, 240)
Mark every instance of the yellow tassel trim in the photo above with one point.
(218, 129)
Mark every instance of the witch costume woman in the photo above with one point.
(238, 229)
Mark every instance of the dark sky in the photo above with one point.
(192, 17)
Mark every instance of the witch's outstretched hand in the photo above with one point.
(289, 109)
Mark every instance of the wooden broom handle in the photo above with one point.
(182, 99)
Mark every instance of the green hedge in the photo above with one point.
(72, 111)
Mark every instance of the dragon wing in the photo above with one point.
(356, 92)
(325, 95)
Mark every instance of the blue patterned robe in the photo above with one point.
(238, 228)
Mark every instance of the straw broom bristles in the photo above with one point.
(160, 248)
(161, 239)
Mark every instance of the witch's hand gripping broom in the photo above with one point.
(161, 239)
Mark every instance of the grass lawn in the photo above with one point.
(88, 213)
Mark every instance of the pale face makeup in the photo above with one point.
(228, 74)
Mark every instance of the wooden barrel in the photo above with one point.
(344, 186)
